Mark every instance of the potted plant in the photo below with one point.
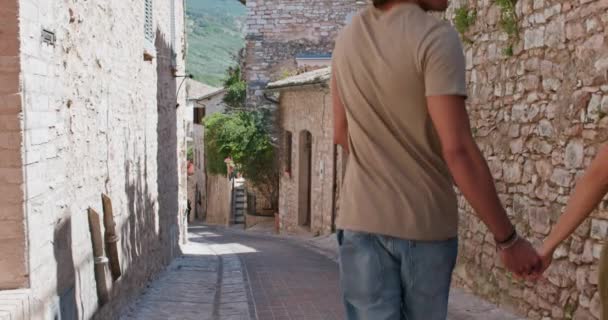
(190, 159)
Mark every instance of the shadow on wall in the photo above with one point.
(146, 252)
(168, 174)
(66, 274)
(138, 234)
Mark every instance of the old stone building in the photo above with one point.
(539, 113)
(279, 31)
(89, 105)
(202, 100)
(538, 103)
(311, 163)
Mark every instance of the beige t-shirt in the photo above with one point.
(396, 181)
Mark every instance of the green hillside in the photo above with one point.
(215, 35)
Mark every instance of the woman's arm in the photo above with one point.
(589, 191)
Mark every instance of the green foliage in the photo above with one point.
(245, 137)
(509, 22)
(214, 154)
(236, 89)
(286, 73)
(569, 310)
(190, 154)
(215, 34)
(464, 19)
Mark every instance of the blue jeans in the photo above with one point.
(386, 278)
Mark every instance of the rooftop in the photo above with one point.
(312, 77)
(314, 56)
(198, 90)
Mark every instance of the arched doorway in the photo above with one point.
(305, 179)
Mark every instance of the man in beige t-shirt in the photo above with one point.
(399, 88)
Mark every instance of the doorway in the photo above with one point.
(305, 179)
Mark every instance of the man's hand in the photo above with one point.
(521, 259)
(546, 258)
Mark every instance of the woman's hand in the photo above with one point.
(546, 256)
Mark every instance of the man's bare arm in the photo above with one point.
(340, 122)
(472, 176)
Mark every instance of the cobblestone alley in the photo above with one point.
(227, 274)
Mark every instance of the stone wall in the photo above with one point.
(277, 31)
(99, 119)
(308, 109)
(13, 242)
(252, 220)
(539, 118)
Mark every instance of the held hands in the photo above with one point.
(546, 257)
(523, 260)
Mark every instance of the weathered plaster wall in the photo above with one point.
(539, 118)
(308, 108)
(199, 206)
(277, 31)
(100, 119)
(13, 241)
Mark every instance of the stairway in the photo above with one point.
(239, 202)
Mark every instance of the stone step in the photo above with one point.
(15, 304)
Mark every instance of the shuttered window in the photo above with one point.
(288, 151)
(149, 22)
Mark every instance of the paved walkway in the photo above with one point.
(227, 274)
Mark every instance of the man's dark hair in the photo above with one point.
(378, 3)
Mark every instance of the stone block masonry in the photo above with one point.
(539, 117)
(85, 114)
(307, 110)
(277, 31)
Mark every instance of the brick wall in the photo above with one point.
(13, 243)
(308, 109)
(277, 31)
(539, 118)
(100, 119)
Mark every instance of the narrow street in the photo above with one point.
(228, 274)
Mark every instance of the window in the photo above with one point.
(199, 114)
(149, 49)
(149, 22)
(288, 152)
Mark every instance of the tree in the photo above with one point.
(236, 89)
(244, 137)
